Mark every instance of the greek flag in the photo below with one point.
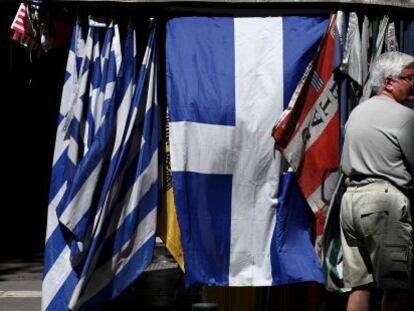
(78, 208)
(94, 108)
(228, 81)
(57, 266)
(108, 211)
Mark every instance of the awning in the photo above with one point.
(396, 3)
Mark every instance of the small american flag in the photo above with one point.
(22, 29)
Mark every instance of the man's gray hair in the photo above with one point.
(386, 65)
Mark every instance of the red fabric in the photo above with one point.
(307, 134)
(22, 29)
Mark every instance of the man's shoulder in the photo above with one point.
(367, 106)
(379, 99)
(381, 112)
(372, 103)
(408, 120)
(386, 105)
(406, 113)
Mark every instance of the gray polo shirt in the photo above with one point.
(379, 143)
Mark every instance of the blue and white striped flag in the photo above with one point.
(57, 266)
(60, 158)
(76, 120)
(124, 235)
(79, 207)
(109, 207)
(58, 289)
(94, 112)
(228, 81)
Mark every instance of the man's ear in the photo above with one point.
(388, 84)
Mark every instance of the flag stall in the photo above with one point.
(229, 208)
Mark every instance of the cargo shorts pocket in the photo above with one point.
(374, 221)
(398, 265)
(405, 215)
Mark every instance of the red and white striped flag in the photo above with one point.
(22, 29)
(307, 133)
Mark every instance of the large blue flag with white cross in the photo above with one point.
(228, 81)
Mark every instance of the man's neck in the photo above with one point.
(386, 94)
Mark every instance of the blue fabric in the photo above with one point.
(205, 222)
(205, 93)
(112, 241)
(201, 90)
(408, 38)
(298, 52)
(291, 244)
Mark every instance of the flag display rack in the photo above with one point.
(396, 3)
(135, 124)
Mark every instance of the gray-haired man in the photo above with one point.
(378, 160)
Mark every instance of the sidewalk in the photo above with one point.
(20, 284)
(160, 287)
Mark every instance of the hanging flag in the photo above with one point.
(340, 61)
(168, 228)
(227, 82)
(331, 242)
(352, 69)
(307, 133)
(75, 119)
(381, 36)
(124, 233)
(407, 43)
(111, 232)
(377, 32)
(57, 265)
(365, 47)
(391, 41)
(407, 37)
(94, 113)
(78, 209)
(22, 30)
(58, 289)
(291, 239)
(60, 158)
(352, 66)
(351, 61)
(56, 258)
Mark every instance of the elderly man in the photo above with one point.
(378, 160)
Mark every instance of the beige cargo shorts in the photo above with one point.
(376, 235)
